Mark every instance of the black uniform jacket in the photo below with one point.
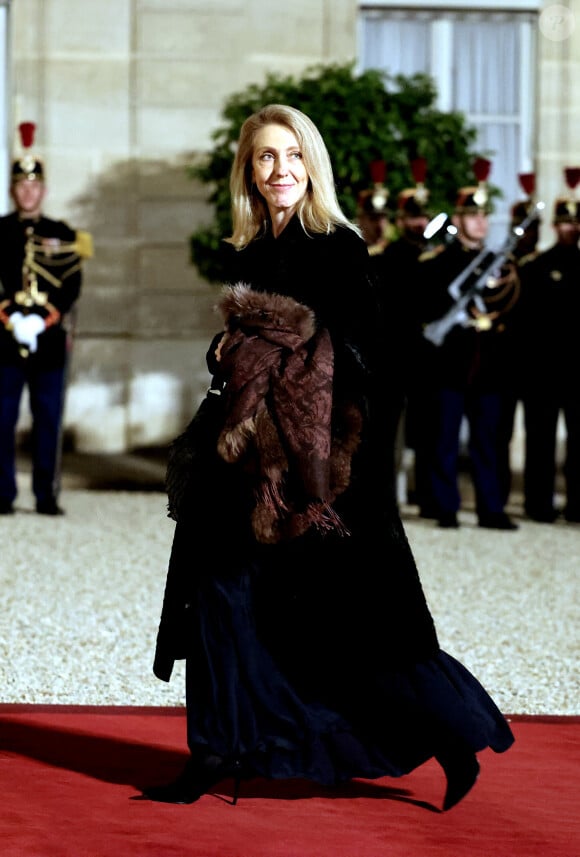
(397, 272)
(324, 602)
(469, 357)
(59, 287)
(547, 340)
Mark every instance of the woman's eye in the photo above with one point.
(296, 155)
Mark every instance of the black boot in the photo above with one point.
(196, 779)
(48, 507)
(448, 520)
(461, 770)
(497, 521)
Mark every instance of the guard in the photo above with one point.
(40, 282)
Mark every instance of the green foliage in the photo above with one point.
(362, 118)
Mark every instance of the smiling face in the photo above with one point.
(278, 169)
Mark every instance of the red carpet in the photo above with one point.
(70, 780)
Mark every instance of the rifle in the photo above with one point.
(485, 266)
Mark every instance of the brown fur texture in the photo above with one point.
(280, 421)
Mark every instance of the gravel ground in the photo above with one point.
(81, 595)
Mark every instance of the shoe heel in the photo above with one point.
(197, 780)
(462, 773)
(237, 775)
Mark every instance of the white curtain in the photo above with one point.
(481, 66)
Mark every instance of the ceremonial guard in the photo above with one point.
(374, 216)
(525, 211)
(550, 309)
(40, 282)
(526, 247)
(465, 293)
(395, 269)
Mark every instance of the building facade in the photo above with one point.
(125, 95)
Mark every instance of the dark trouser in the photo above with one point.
(541, 411)
(482, 411)
(46, 390)
(509, 403)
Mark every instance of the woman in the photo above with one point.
(310, 650)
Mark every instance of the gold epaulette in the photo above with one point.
(525, 260)
(83, 244)
(430, 254)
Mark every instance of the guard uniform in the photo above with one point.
(467, 370)
(396, 273)
(40, 282)
(374, 214)
(550, 350)
(527, 212)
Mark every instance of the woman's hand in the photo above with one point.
(220, 345)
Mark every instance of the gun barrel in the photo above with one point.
(434, 332)
(437, 330)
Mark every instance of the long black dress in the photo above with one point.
(316, 657)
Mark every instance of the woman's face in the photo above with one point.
(278, 170)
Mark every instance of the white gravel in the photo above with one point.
(80, 598)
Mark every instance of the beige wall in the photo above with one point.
(558, 132)
(126, 94)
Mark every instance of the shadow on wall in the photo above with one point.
(145, 317)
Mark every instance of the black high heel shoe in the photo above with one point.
(196, 779)
(461, 771)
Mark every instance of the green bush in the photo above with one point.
(362, 118)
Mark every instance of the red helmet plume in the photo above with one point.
(27, 131)
(527, 182)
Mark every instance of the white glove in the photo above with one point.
(15, 318)
(26, 329)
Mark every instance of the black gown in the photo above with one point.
(316, 657)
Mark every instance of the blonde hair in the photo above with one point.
(319, 210)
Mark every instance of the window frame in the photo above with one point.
(442, 37)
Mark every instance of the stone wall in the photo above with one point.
(558, 107)
(126, 94)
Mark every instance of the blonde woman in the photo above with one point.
(292, 591)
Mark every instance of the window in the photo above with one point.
(483, 63)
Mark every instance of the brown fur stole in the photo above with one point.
(281, 422)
